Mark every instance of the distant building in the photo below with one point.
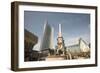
(47, 41)
(84, 46)
(74, 48)
(81, 46)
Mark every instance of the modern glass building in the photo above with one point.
(81, 46)
(47, 41)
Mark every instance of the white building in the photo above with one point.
(81, 46)
(47, 40)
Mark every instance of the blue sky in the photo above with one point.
(74, 25)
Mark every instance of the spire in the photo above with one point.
(45, 24)
(59, 34)
(45, 21)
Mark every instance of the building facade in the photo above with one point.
(47, 40)
(30, 40)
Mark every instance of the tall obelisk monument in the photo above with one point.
(60, 42)
(59, 34)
